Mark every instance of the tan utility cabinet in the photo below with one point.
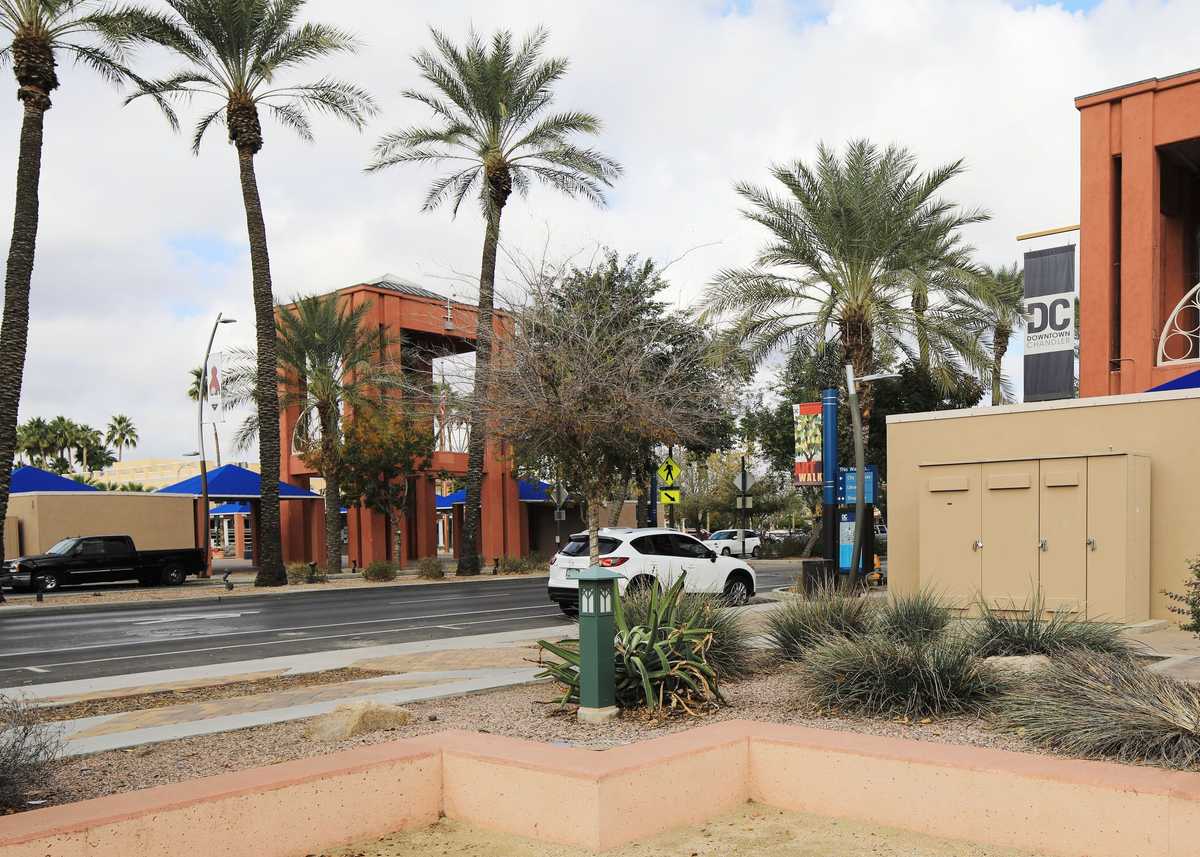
(1077, 529)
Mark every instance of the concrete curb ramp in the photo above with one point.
(602, 800)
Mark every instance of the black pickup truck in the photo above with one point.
(100, 559)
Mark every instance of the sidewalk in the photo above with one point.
(408, 672)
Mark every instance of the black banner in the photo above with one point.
(1050, 324)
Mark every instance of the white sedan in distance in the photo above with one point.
(644, 556)
(734, 542)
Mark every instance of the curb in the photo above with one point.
(23, 608)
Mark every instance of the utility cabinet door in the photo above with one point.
(949, 516)
(1064, 534)
(1010, 532)
(1108, 529)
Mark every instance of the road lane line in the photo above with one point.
(115, 645)
(553, 613)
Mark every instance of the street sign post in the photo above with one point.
(559, 495)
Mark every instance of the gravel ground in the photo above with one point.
(528, 711)
(748, 832)
(205, 693)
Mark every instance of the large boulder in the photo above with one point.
(347, 721)
(1018, 664)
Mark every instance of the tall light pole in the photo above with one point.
(200, 438)
(860, 493)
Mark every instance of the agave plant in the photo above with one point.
(661, 663)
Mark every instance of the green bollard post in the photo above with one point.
(597, 629)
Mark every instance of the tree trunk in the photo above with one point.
(14, 330)
(860, 352)
(333, 492)
(216, 444)
(614, 514)
(593, 521)
(469, 557)
(999, 349)
(266, 394)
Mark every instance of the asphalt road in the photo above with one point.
(36, 648)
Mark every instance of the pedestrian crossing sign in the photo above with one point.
(668, 472)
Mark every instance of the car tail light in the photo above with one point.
(612, 561)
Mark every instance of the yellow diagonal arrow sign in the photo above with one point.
(670, 496)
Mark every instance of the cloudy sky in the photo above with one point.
(141, 243)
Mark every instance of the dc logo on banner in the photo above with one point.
(1050, 323)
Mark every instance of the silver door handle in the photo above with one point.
(978, 545)
(1042, 546)
(1091, 543)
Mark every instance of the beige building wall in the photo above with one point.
(12, 536)
(1163, 426)
(160, 472)
(155, 521)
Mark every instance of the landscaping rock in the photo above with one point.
(1018, 664)
(347, 721)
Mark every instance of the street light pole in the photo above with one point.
(860, 493)
(200, 440)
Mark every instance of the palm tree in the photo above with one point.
(35, 440)
(90, 450)
(329, 370)
(1002, 299)
(197, 389)
(493, 127)
(62, 434)
(236, 52)
(43, 31)
(121, 433)
(847, 234)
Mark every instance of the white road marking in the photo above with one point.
(274, 630)
(37, 670)
(554, 613)
(189, 617)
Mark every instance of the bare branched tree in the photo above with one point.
(586, 382)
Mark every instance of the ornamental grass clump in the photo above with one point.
(876, 674)
(1107, 706)
(1024, 631)
(26, 749)
(800, 623)
(914, 618)
(730, 653)
(660, 664)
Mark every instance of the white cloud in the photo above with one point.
(693, 98)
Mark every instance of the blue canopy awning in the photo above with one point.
(528, 491)
(30, 480)
(230, 509)
(230, 482)
(1190, 381)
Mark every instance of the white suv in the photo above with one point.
(646, 555)
(734, 542)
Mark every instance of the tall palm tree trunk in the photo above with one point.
(270, 549)
(469, 561)
(14, 330)
(333, 496)
(999, 349)
(217, 444)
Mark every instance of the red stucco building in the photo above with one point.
(1139, 234)
(427, 327)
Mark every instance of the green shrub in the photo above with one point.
(380, 570)
(876, 674)
(1024, 632)
(914, 618)
(303, 572)
(1107, 706)
(1189, 599)
(430, 568)
(789, 547)
(661, 664)
(799, 623)
(730, 652)
(26, 749)
(532, 564)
